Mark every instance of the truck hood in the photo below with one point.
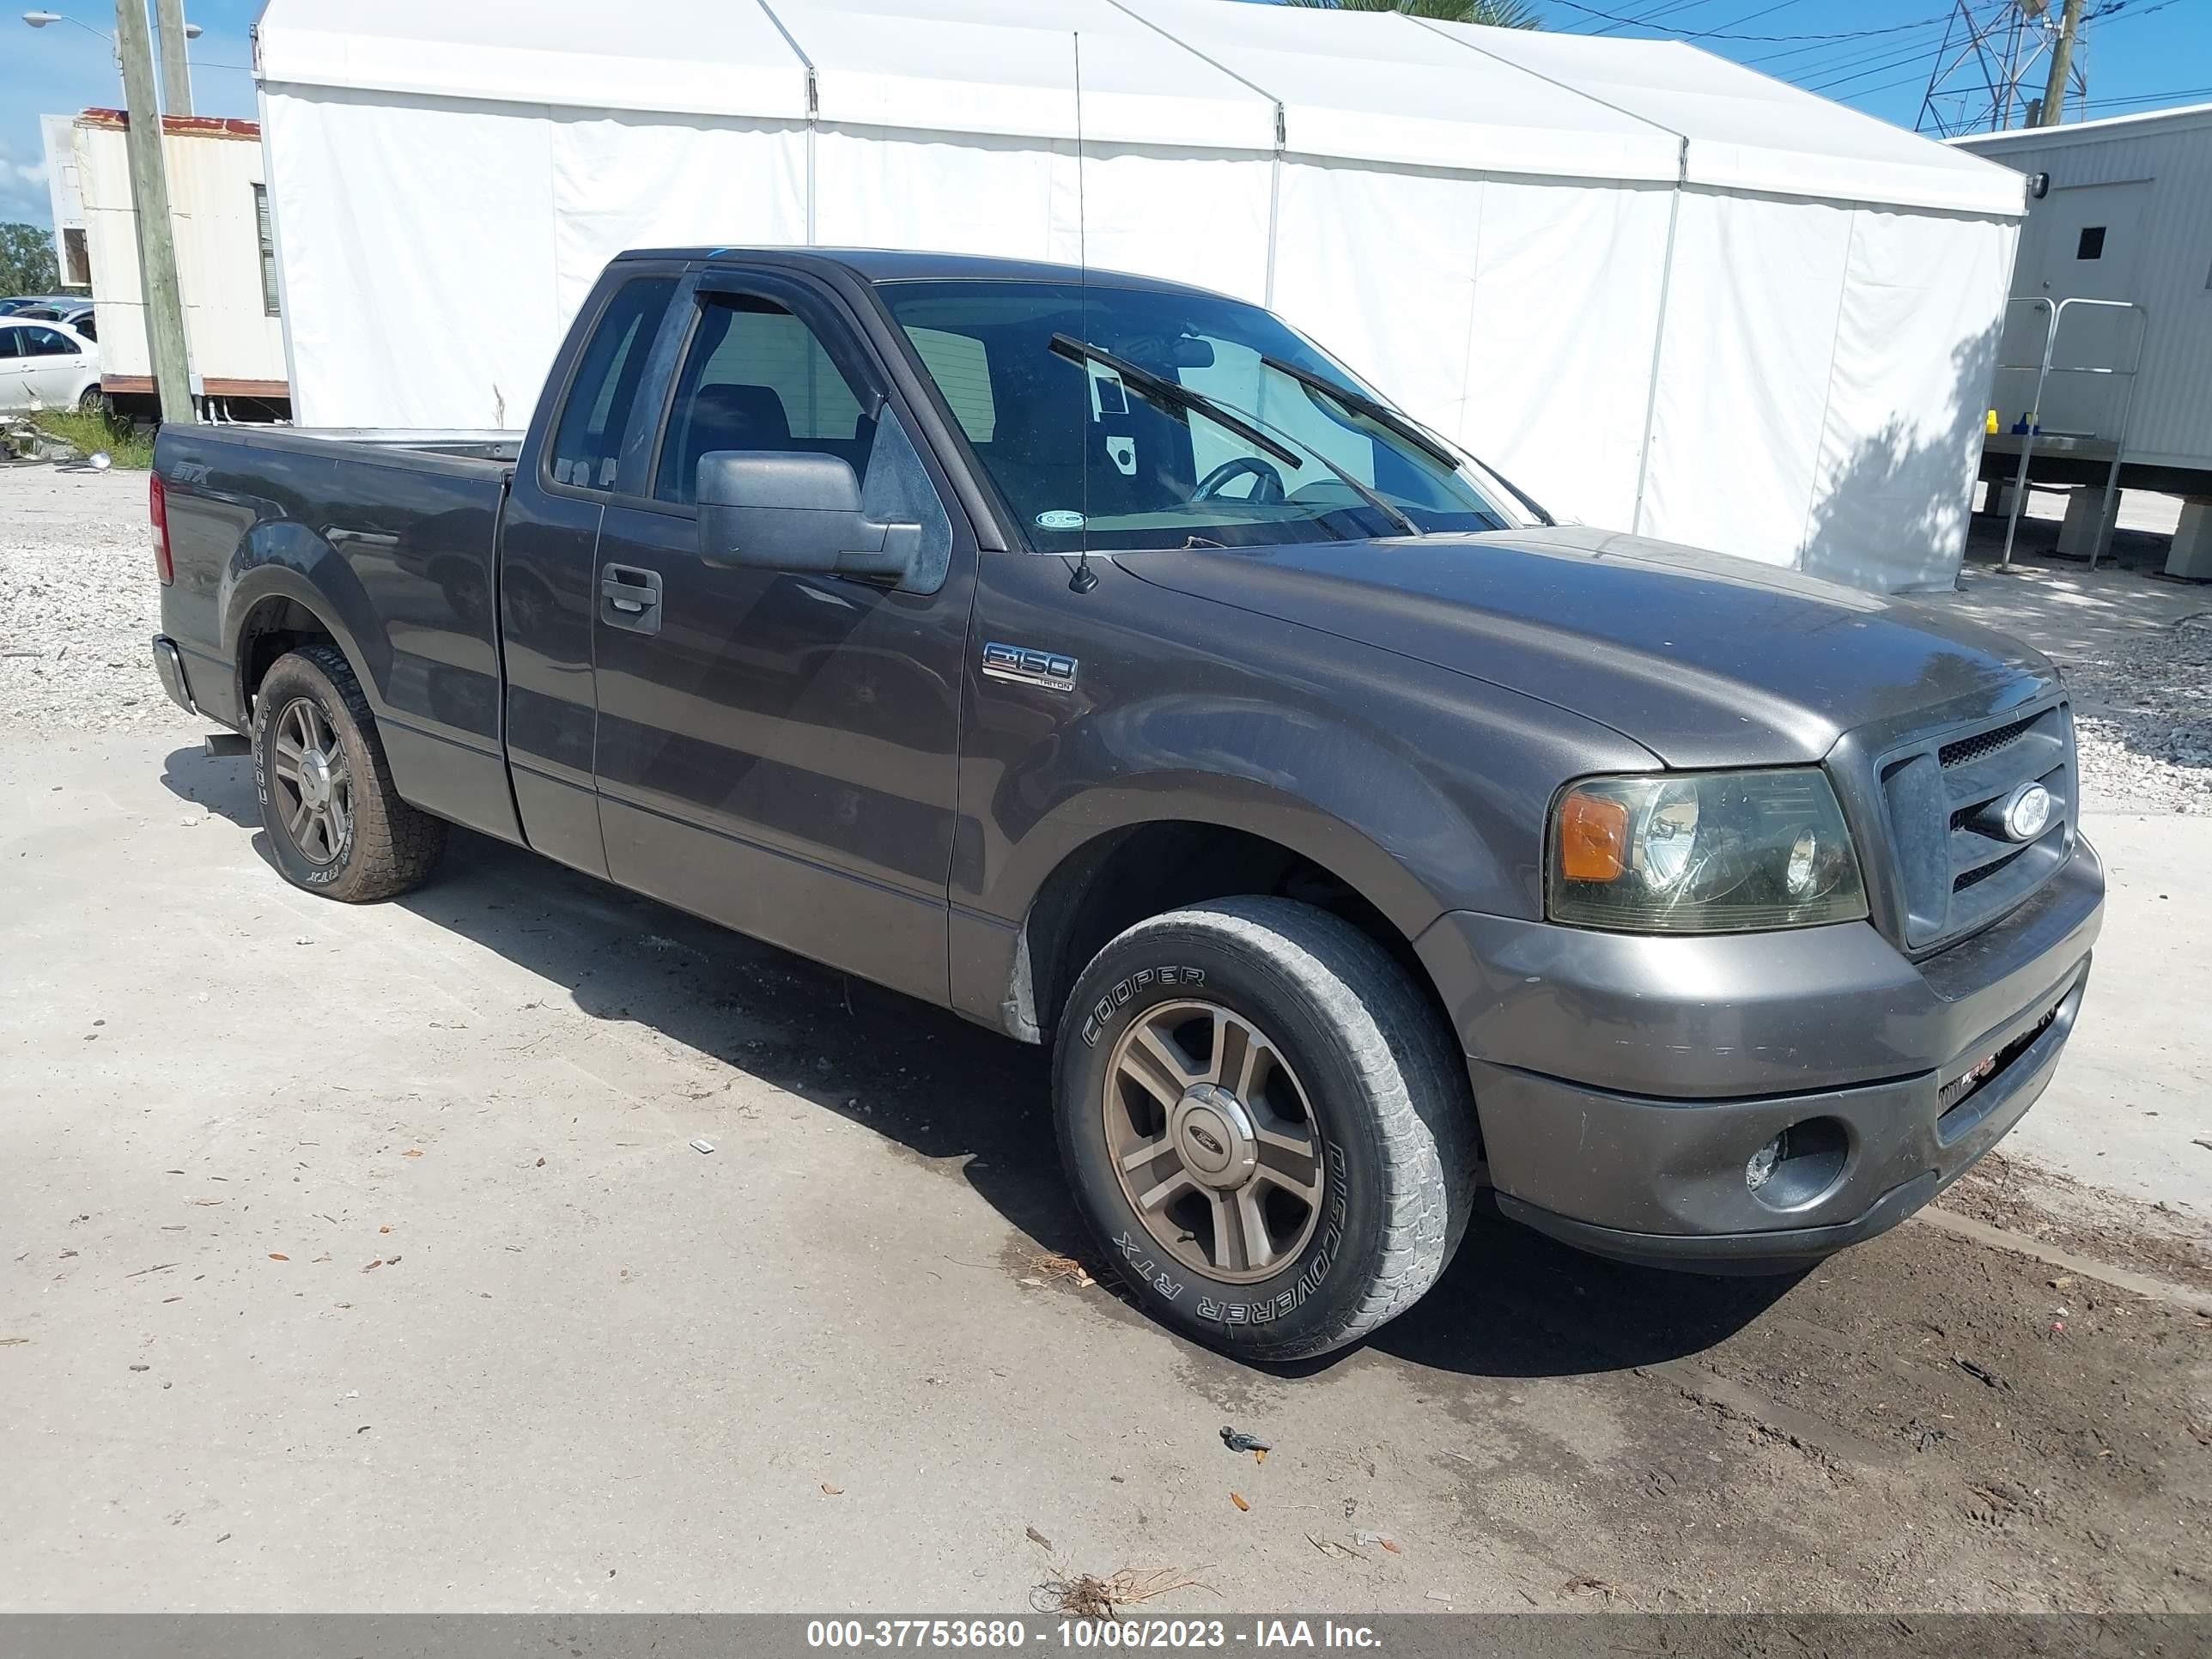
(1704, 659)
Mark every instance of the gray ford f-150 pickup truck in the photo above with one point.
(1097, 658)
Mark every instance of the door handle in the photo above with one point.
(630, 597)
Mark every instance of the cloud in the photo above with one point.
(22, 188)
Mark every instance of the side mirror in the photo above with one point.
(785, 510)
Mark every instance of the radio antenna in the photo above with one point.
(1084, 577)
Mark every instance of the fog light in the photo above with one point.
(1800, 1166)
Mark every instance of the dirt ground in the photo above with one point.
(360, 1259)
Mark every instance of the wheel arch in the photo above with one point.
(287, 587)
(1116, 877)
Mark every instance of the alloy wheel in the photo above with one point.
(1214, 1141)
(314, 787)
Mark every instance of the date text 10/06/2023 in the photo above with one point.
(1088, 1635)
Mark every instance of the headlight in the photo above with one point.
(1702, 853)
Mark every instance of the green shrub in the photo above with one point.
(90, 429)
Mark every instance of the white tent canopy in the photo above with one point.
(1661, 291)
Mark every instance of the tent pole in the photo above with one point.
(1658, 341)
(1274, 206)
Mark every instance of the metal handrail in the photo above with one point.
(2044, 371)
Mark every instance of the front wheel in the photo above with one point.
(1267, 1125)
(336, 824)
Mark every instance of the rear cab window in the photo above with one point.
(586, 445)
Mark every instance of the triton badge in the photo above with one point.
(1017, 663)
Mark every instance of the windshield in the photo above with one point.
(1138, 418)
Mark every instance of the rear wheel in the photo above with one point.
(1266, 1123)
(336, 824)
(92, 400)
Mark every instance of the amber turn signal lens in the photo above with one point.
(1593, 838)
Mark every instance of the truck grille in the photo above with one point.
(1956, 868)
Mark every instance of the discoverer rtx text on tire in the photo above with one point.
(335, 825)
(1267, 1125)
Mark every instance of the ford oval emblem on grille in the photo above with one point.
(2027, 814)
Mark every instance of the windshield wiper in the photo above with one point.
(1360, 403)
(1172, 395)
(1383, 416)
(1179, 399)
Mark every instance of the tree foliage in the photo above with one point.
(1495, 13)
(27, 260)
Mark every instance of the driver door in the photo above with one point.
(779, 750)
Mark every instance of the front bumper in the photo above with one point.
(1687, 1055)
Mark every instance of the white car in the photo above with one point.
(47, 365)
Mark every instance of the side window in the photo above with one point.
(45, 342)
(268, 248)
(587, 443)
(755, 377)
(11, 342)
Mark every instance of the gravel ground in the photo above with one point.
(2144, 718)
(2136, 649)
(78, 602)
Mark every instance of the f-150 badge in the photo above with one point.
(1024, 666)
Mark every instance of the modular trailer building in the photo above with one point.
(234, 341)
(1662, 292)
(2125, 214)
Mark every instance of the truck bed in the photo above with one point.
(409, 444)
(398, 531)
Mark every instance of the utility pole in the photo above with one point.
(149, 197)
(2061, 59)
(176, 67)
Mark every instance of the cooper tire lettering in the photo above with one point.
(1122, 991)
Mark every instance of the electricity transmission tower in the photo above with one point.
(1990, 71)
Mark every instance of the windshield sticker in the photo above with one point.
(1059, 517)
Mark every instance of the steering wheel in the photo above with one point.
(1267, 482)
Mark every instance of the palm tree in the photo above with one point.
(1496, 14)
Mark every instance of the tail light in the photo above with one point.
(157, 507)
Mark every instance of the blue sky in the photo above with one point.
(2139, 54)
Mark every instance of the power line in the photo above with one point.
(1897, 60)
(1819, 58)
(2154, 97)
(1643, 19)
(1723, 34)
(1753, 16)
(1817, 48)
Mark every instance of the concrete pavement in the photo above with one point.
(357, 1258)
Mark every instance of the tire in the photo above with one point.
(376, 846)
(92, 400)
(1388, 1121)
